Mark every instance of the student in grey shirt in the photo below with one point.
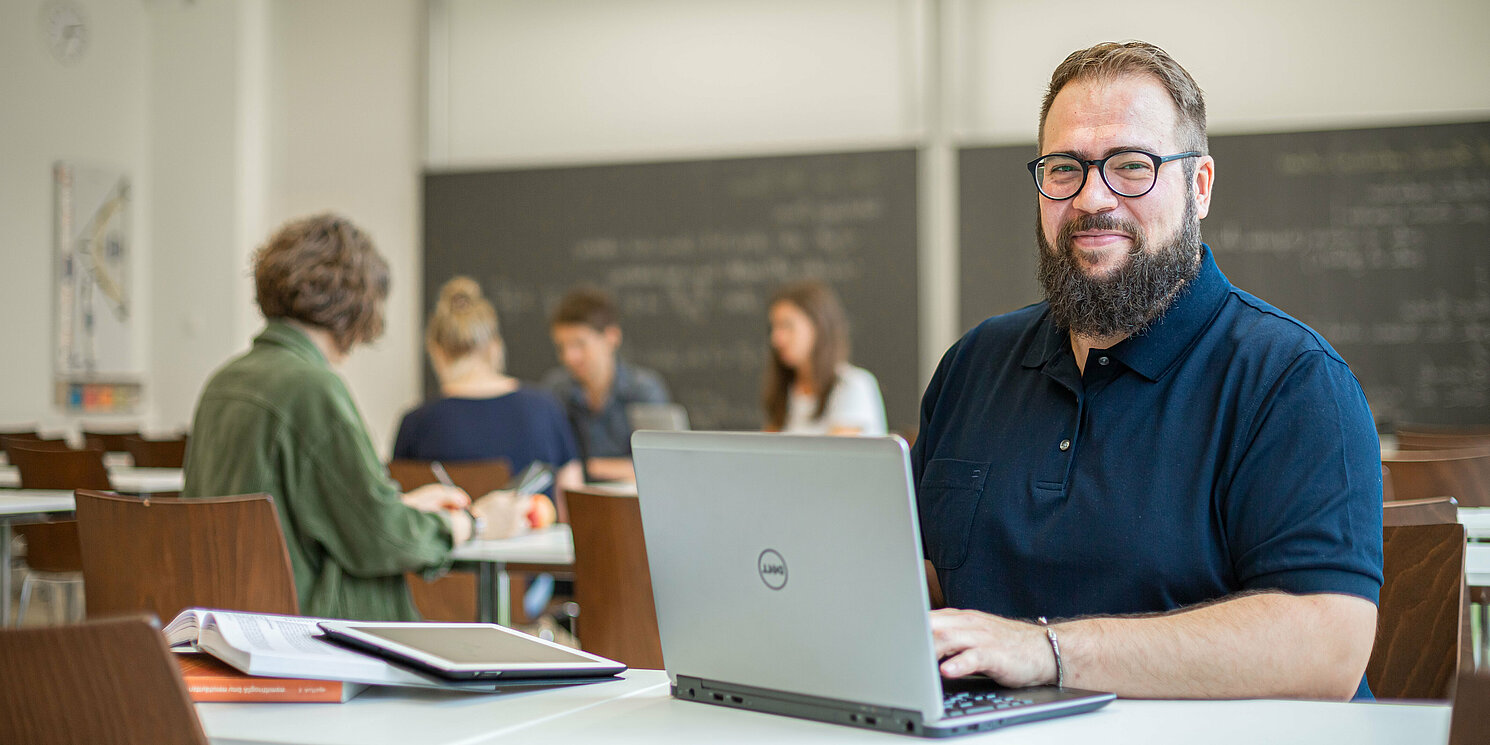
(595, 385)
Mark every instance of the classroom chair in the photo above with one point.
(168, 453)
(612, 581)
(1430, 511)
(453, 596)
(102, 682)
(1470, 722)
(52, 555)
(160, 555)
(110, 440)
(1423, 437)
(1420, 614)
(1460, 473)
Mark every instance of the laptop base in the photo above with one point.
(887, 719)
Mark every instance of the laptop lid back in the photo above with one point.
(788, 563)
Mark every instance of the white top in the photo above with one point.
(855, 402)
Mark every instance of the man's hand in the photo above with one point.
(1013, 653)
(436, 498)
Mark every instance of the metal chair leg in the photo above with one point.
(28, 585)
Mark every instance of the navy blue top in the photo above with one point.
(1229, 448)
(522, 426)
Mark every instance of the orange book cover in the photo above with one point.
(211, 680)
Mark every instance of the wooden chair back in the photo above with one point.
(1462, 474)
(32, 441)
(53, 547)
(1470, 722)
(111, 441)
(612, 581)
(103, 682)
(169, 453)
(161, 555)
(1429, 511)
(1419, 617)
(1421, 437)
(453, 596)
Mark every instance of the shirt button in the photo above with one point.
(1065, 445)
(1102, 360)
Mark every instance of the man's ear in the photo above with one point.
(612, 336)
(1205, 180)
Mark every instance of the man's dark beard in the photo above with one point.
(1135, 296)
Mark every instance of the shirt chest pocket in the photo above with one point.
(947, 498)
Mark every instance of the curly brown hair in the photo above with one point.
(323, 271)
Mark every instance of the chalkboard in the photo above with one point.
(692, 251)
(1379, 239)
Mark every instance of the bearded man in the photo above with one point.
(1183, 479)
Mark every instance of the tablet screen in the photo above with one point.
(476, 645)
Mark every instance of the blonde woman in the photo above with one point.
(484, 413)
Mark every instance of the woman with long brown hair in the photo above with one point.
(810, 386)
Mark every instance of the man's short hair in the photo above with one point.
(324, 272)
(1112, 60)
(586, 305)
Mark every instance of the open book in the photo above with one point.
(290, 647)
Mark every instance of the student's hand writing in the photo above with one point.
(436, 497)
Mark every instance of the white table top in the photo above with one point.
(553, 545)
(1476, 522)
(122, 478)
(1477, 565)
(34, 501)
(639, 710)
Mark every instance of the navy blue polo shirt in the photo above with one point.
(1229, 448)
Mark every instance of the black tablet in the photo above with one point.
(470, 651)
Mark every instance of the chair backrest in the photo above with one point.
(1421, 437)
(169, 453)
(476, 477)
(612, 581)
(1470, 723)
(1429, 511)
(453, 596)
(103, 682)
(112, 441)
(161, 555)
(53, 547)
(1463, 474)
(32, 441)
(1419, 617)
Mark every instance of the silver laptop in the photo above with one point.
(788, 577)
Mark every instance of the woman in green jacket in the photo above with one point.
(279, 419)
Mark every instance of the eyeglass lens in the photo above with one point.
(1129, 174)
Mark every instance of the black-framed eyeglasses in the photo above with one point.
(1129, 173)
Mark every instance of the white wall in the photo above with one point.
(93, 111)
(1265, 65)
(345, 135)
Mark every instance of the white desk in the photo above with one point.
(639, 710)
(552, 547)
(122, 478)
(21, 507)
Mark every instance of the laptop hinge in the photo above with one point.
(868, 716)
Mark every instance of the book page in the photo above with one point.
(181, 632)
(288, 646)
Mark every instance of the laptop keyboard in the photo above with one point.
(967, 703)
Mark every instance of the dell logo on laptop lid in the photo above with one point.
(772, 569)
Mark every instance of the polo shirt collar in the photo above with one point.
(1152, 353)
(280, 334)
